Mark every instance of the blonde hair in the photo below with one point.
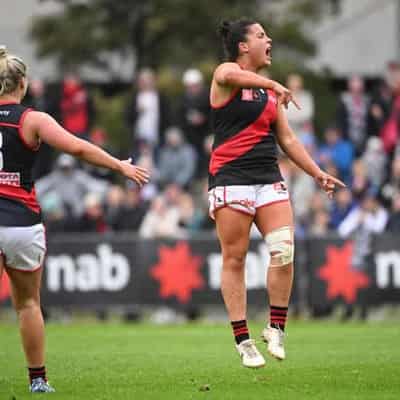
(12, 70)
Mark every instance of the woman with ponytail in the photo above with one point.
(245, 183)
(22, 234)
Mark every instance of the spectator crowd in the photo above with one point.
(360, 146)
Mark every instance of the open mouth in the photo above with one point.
(268, 52)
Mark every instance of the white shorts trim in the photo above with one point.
(23, 248)
(246, 198)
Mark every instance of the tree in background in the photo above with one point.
(172, 35)
(160, 32)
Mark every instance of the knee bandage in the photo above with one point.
(280, 246)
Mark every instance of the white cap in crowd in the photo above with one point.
(192, 76)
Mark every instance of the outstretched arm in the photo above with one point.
(298, 154)
(231, 75)
(44, 127)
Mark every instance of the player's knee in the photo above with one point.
(27, 304)
(280, 244)
(234, 260)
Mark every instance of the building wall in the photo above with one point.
(14, 30)
(360, 39)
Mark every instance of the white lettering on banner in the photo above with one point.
(107, 271)
(386, 262)
(256, 268)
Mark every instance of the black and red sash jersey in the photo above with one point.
(244, 150)
(18, 204)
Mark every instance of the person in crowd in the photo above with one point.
(113, 205)
(392, 184)
(22, 234)
(301, 188)
(341, 207)
(375, 161)
(352, 113)
(93, 219)
(145, 158)
(37, 99)
(126, 213)
(338, 151)
(77, 110)
(363, 221)
(194, 111)
(147, 113)
(319, 226)
(177, 162)
(393, 224)
(360, 182)
(71, 183)
(160, 221)
(390, 131)
(301, 121)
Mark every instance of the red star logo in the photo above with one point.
(5, 290)
(178, 272)
(341, 278)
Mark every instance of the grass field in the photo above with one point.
(112, 361)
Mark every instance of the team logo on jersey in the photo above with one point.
(251, 95)
(280, 187)
(273, 99)
(10, 179)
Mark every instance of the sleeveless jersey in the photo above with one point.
(18, 204)
(244, 150)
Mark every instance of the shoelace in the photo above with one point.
(249, 349)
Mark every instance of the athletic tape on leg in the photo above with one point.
(281, 246)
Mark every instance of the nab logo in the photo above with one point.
(87, 272)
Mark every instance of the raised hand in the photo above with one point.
(328, 183)
(138, 174)
(285, 96)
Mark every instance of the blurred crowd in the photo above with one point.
(359, 146)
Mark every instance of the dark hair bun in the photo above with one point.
(224, 28)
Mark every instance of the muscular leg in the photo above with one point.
(280, 279)
(233, 229)
(26, 299)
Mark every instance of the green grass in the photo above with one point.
(112, 361)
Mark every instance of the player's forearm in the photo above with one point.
(247, 79)
(299, 155)
(95, 155)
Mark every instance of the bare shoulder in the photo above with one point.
(223, 70)
(35, 118)
(226, 67)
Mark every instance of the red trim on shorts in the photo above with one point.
(20, 133)
(226, 102)
(9, 125)
(271, 203)
(232, 208)
(241, 211)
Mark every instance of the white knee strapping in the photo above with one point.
(281, 246)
